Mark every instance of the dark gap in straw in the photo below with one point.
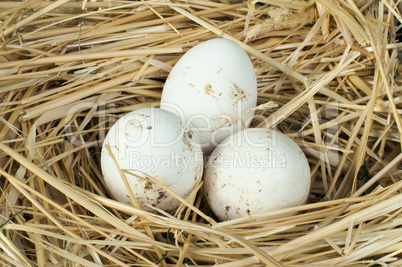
(13, 216)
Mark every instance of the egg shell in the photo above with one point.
(151, 142)
(211, 87)
(256, 171)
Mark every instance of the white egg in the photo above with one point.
(211, 87)
(256, 171)
(151, 142)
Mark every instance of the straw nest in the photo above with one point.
(70, 69)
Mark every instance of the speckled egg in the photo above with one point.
(211, 87)
(255, 171)
(151, 142)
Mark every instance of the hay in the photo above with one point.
(328, 76)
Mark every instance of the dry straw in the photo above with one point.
(328, 76)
